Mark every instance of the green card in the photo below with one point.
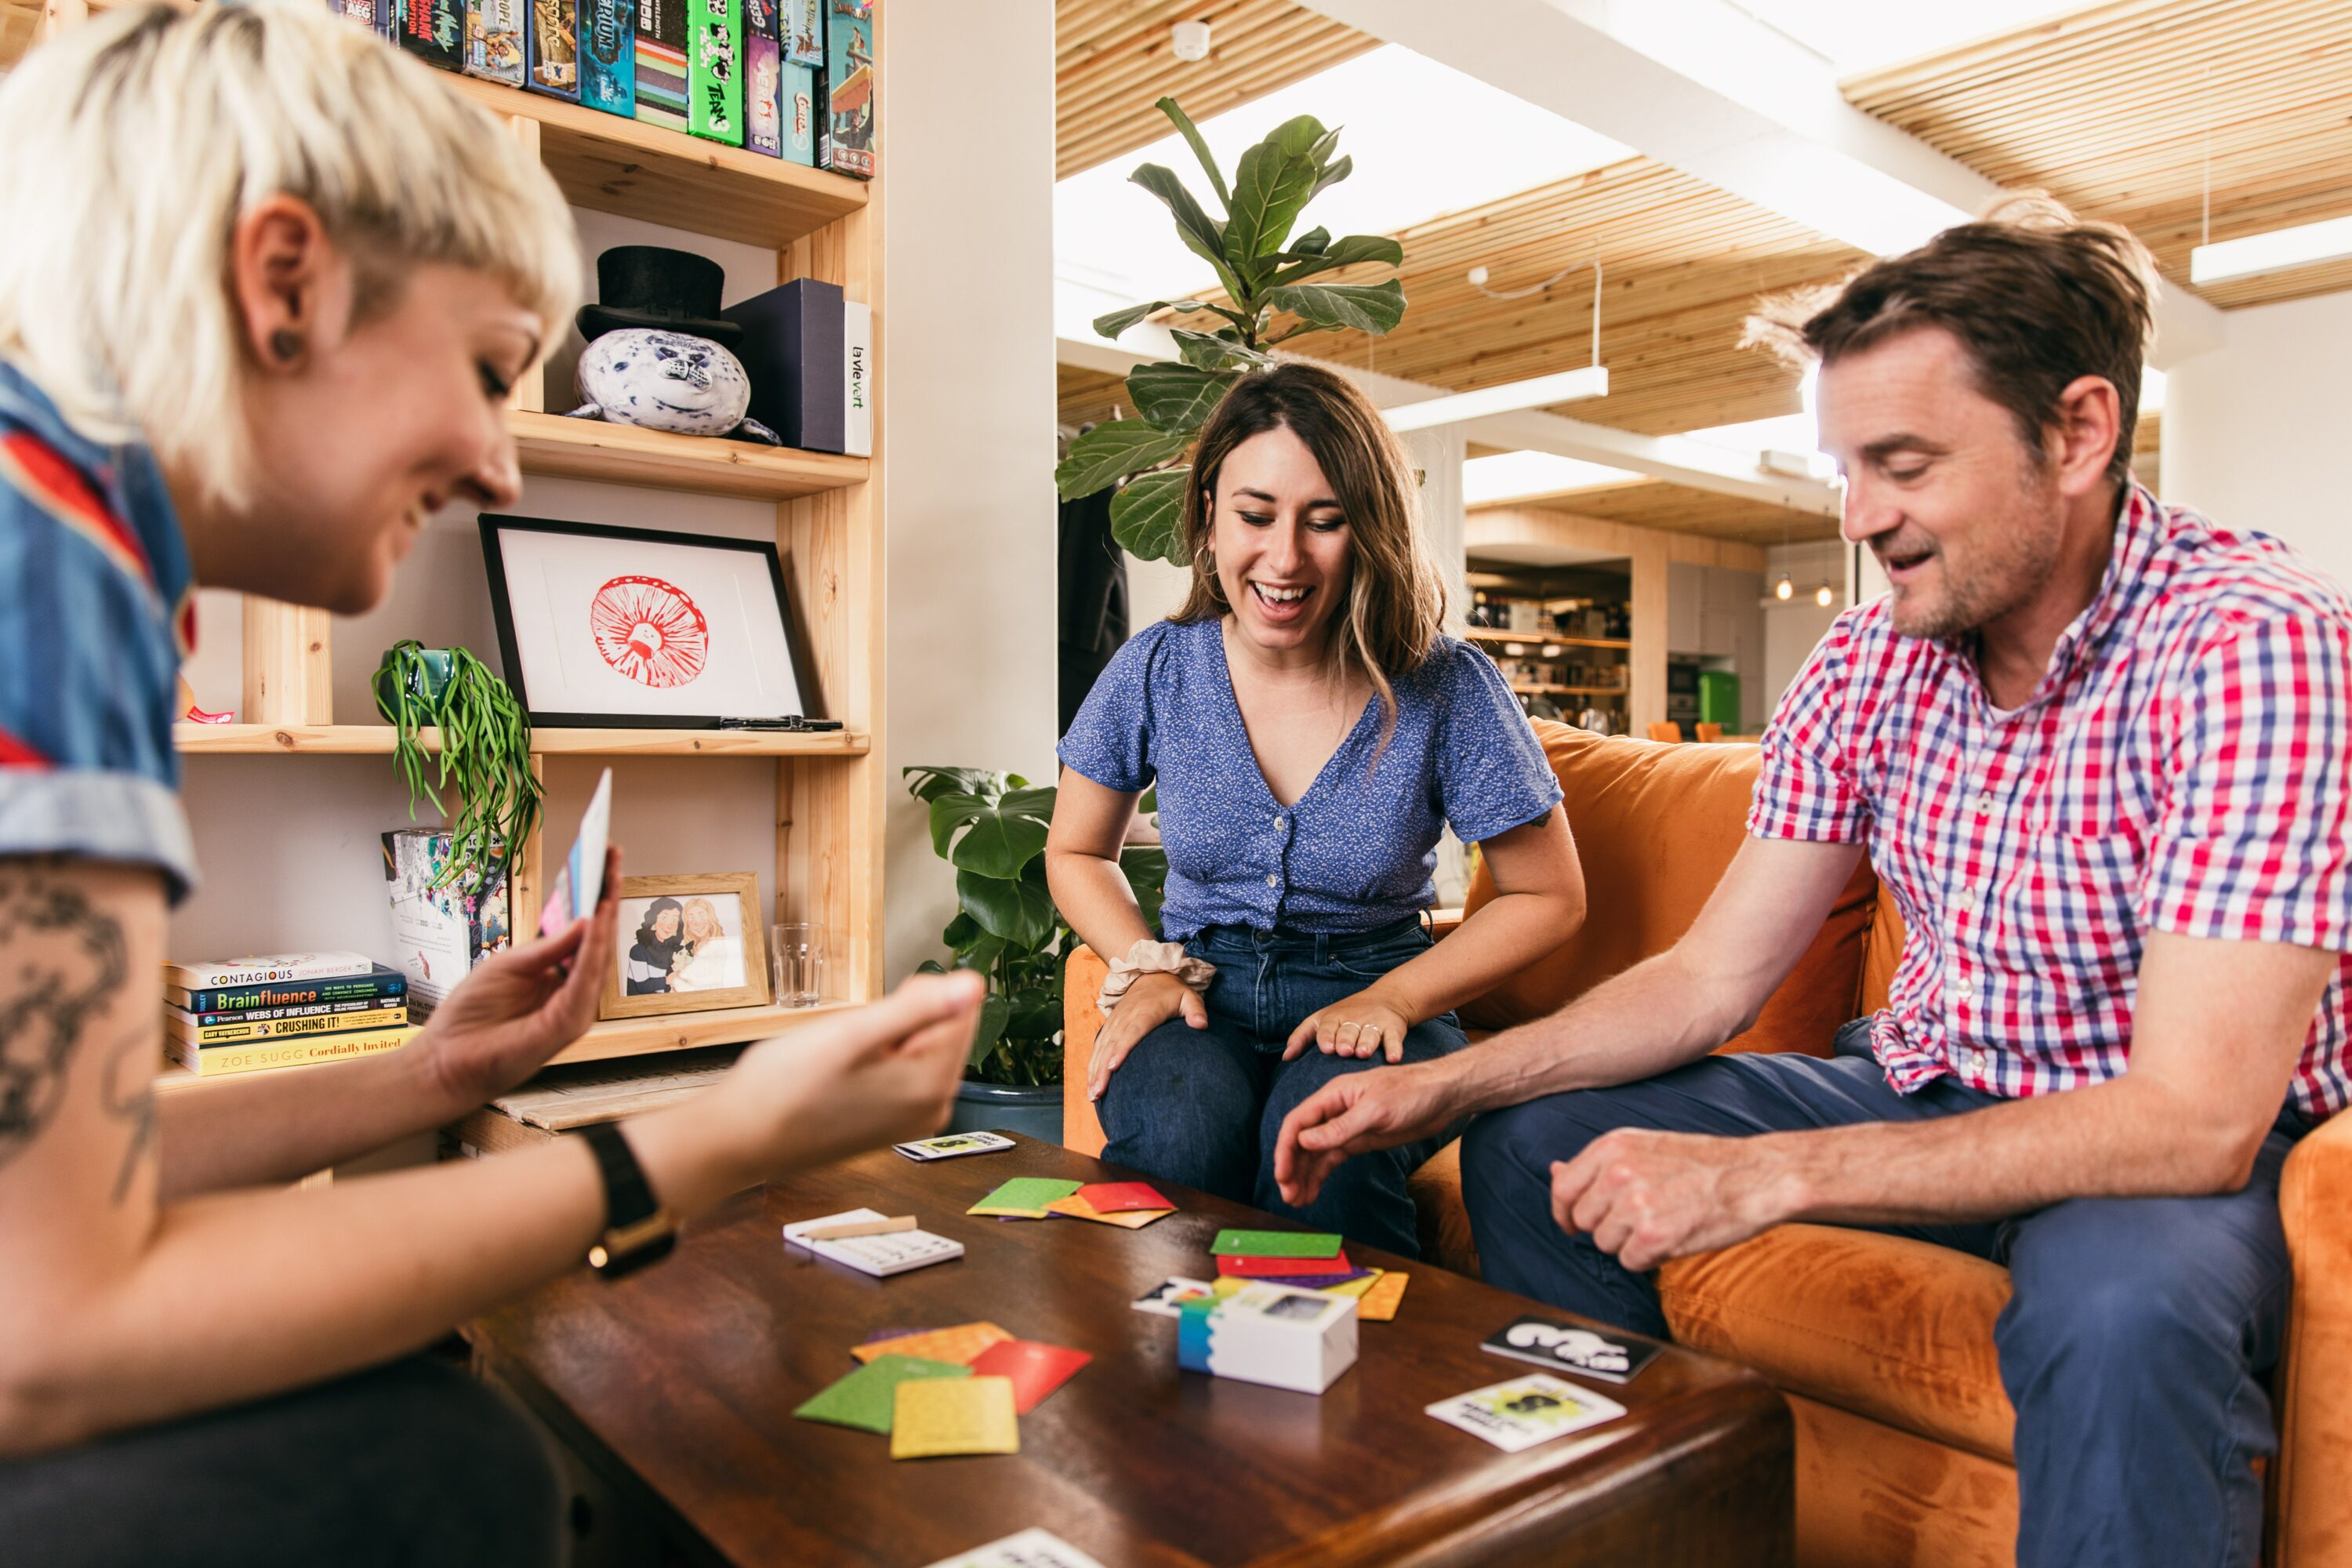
(866, 1397)
(1025, 1196)
(1276, 1244)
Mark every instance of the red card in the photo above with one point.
(1284, 1268)
(1119, 1197)
(1036, 1370)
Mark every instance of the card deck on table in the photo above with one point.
(1521, 1412)
(868, 1397)
(1034, 1369)
(1572, 1348)
(1378, 1304)
(1276, 1244)
(1024, 1198)
(936, 1416)
(1118, 1197)
(1030, 1549)
(880, 1256)
(1166, 1298)
(1363, 1281)
(960, 1344)
(1077, 1208)
(1330, 1284)
(1326, 1270)
(952, 1145)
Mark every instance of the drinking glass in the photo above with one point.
(796, 953)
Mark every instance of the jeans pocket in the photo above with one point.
(1369, 965)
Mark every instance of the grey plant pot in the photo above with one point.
(1009, 1108)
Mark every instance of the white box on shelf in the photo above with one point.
(858, 388)
(1275, 1334)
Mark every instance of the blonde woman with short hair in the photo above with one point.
(265, 287)
(1311, 731)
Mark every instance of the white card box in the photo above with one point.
(1274, 1334)
(880, 1256)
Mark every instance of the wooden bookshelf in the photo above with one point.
(1532, 688)
(625, 455)
(1543, 639)
(614, 1038)
(376, 740)
(831, 788)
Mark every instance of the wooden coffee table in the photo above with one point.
(683, 1377)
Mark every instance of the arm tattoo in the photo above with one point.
(61, 963)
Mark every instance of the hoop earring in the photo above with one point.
(1208, 559)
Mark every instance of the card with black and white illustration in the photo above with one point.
(1572, 1348)
(954, 1145)
(1166, 1299)
(1525, 1411)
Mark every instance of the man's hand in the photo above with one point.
(521, 1006)
(1355, 1115)
(1647, 1196)
(1354, 1026)
(1150, 1002)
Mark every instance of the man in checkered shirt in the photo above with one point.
(2096, 749)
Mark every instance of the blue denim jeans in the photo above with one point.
(1202, 1106)
(2134, 1339)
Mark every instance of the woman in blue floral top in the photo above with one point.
(1310, 731)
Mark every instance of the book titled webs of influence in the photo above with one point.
(230, 1029)
(220, 1061)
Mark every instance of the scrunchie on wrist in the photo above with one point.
(1150, 957)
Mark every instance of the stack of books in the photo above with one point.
(283, 1010)
(790, 79)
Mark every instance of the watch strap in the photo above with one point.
(627, 1196)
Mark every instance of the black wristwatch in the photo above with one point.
(637, 1229)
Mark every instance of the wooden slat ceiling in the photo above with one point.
(1678, 509)
(1113, 60)
(1684, 264)
(19, 21)
(1087, 396)
(2113, 110)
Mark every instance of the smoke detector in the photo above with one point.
(1192, 41)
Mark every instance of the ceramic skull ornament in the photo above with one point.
(658, 352)
(667, 380)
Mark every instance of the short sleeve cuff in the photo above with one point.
(1105, 771)
(1501, 817)
(93, 815)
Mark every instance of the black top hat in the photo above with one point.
(654, 286)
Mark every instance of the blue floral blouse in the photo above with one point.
(1359, 848)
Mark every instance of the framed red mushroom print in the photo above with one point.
(639, 627)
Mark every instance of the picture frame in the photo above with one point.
(661, 965)
(640, 627)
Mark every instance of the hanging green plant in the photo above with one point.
(484, 752)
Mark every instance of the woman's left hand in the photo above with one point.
(1356, 1026)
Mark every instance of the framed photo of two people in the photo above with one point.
(687, 943)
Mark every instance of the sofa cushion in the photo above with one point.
(1655, 826)
(1896, 1329)
(1440, 1216)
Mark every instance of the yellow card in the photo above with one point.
(1126, 1219)
(977, 1419)
(1378, 1304)
(961, 1345)
(1357, 1287)
(1226, 1284)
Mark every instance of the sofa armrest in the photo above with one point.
(1082, 981)
(1444, 924)
(2315, 1415)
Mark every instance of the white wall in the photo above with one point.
(1791, 630)
(2255, 434)
(968, 400)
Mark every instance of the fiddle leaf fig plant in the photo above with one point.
(991, 826)
(1263, 271)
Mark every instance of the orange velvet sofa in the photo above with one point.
(1883, 1346)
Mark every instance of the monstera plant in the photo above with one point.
(990, 827)
(1266, 299)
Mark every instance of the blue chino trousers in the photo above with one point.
(2131, 1346)
(1202, 1106)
